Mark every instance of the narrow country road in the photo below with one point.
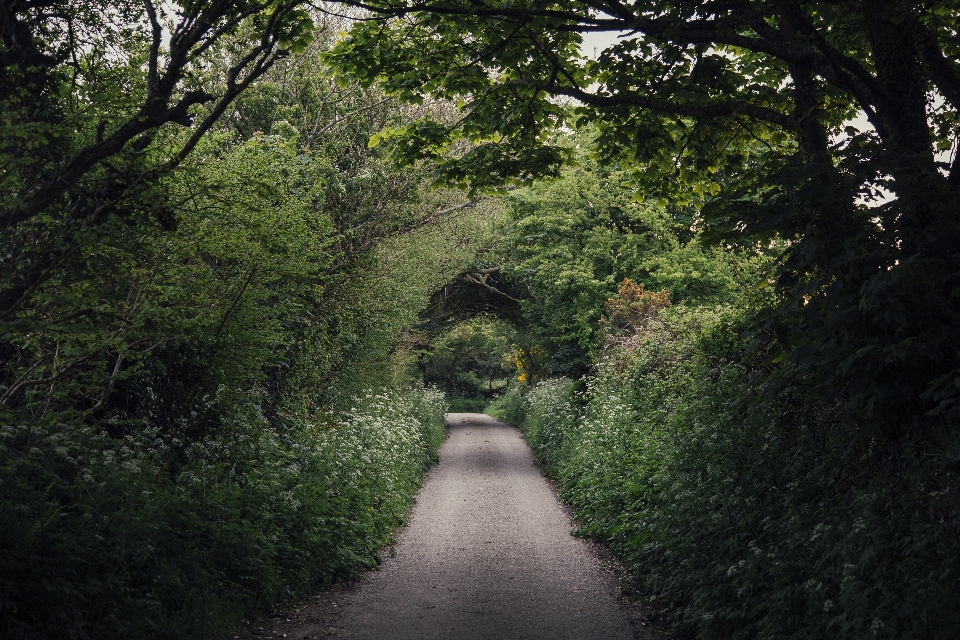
(487, 555)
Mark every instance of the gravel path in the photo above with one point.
(487, 554)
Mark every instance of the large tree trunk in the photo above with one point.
(926, 199)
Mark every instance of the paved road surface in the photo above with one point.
(487, 555)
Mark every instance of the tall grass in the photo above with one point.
(148, 537)
(756, 520)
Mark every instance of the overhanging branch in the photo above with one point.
(715, 110)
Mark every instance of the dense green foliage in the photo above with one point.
(206, 402)
(784, 470)
(89, 91)
(701, 460)
(570, 242)
(116, 543)
(756, 521)
(224, 277)
(746, 110)
(470, 361)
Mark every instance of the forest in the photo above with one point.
(705, 254)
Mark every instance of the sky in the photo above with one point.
(595, 42)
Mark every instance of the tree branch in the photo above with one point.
(399, 11)
(842, 71)
(482, 281)
(268, 56)
(195, 32)
(154, 56)
(149, 117)
(413, 226)
(942, 71)
(715, 110)
(348, 115)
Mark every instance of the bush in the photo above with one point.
(549, 417)
(468, 405)
(757, 520)
(125, 543)
(509, 407)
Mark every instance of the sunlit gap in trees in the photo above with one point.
(595, 42)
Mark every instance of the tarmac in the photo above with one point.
(487, 554)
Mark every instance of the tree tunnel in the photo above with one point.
(472, 335)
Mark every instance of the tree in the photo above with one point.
(570, 244)
(122, 298)
(87, 91)
(59, 56)
(466, 359)
(745, 108)
(88, 94)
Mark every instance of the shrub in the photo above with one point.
(756, 519)
(509, 407)
(106, 538)
(549, 417)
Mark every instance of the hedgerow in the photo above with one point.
(186, 349)
(107, 541)
(755, 519)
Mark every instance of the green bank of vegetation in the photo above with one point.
(753, 521)
(735, 499)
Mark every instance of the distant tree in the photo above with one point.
(744, 108)
(571, 242)
(468, 358)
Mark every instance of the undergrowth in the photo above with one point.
(759, 519)
(467, 405)
(149, 537)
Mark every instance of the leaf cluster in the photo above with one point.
(573, 241)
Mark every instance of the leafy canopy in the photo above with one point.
(744, 108)
(85, 82)
(571, 242)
